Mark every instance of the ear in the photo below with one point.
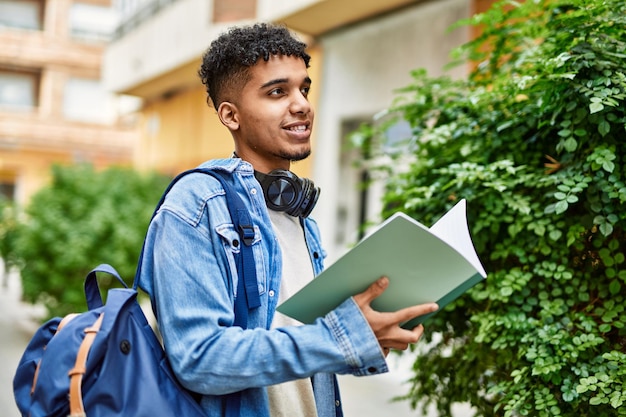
(228, 114)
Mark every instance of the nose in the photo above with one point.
(299, 104)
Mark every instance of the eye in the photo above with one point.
(276, 92)
(305, 91)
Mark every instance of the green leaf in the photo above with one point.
(596, 400)
(595, 107)
(570, 144)
(561, 207)
(606, 229)
(555, 234)
(604, 127)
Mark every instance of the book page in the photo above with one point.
(452, 228)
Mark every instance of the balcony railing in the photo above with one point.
(142, 14)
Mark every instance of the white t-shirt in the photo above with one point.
(293, 398)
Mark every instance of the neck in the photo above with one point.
(262, 165)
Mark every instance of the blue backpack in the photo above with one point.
(108, 361)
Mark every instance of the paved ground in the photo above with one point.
(17, 323)
(372, 396)
(362, 397)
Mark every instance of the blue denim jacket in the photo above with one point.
(189, 271)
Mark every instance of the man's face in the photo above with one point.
(272, 115)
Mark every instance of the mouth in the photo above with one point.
(298, 127)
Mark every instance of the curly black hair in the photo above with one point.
(226, 62)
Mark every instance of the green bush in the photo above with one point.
(9, 230)
(83, 218)
(535, 140)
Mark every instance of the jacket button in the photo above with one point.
(371, 369)
(316, 255)
(125, 347)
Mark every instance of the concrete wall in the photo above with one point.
(363, 65)
(270, 9)
(174, 36)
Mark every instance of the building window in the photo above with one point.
(93, 23)
(360, 192)
(353, 190)
(19, 90)
(22, 14)
(233, 10)
(86, 100)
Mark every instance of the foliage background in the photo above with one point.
(9, 230)
(535, 140)
(82, 219)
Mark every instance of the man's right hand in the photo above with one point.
(386, 326)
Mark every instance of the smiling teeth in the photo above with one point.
(298, 128)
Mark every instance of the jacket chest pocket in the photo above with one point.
(231, 245)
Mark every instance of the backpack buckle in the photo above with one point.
(247, 234)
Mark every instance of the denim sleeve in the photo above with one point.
(356, 340)
(190, 287)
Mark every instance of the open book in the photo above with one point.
(435, 264)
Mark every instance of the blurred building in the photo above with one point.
(362, 51)
(53, 107)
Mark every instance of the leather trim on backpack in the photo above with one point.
(77, 408)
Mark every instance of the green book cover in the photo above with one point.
(435, 264)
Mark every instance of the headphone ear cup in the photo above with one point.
(281, 192)
(310, 194)
(284, 191)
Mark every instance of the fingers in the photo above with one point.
(378, 287)
(399, 338)
(372, 292)
(406, 314)
(397, 344)
(386, 326)
(391, 335)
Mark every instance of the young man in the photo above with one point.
(256, 78)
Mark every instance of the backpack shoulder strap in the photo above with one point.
(247, 282)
